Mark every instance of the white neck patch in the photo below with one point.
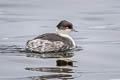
(65, 33)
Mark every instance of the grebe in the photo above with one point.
(53, 42)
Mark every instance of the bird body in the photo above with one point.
(52, 42)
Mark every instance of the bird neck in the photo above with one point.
(65, 34)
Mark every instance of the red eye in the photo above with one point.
(67, 27)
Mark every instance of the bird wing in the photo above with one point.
(41, 46)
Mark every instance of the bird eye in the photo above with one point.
(67, 27)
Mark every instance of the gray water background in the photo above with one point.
(98, 23)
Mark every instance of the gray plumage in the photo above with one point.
(49, 42)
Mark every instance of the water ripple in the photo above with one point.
(11, 50)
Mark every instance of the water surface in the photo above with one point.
(97, 22)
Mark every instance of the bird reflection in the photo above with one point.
(51, 69)
(51, 77)
(66, 62)
(51, 55)
(62, 71)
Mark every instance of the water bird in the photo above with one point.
(53, 42)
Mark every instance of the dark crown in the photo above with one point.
(63, 24)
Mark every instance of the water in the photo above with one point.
(97, 22)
